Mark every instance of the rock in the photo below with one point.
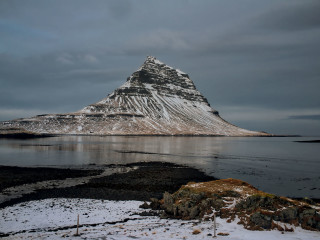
(249, 203)
(182, 193)
(288, 215)
(206, 203)
(168, 204)
(145, 205)
(155, 204)
(168, 199)
(261, 220)
(218, 204)
(197, 196)
(257, 201)
(194, 212)
(308, 200)
(256, 212)
(307, 213)
(309, 219)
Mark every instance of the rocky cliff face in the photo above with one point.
(155, 100)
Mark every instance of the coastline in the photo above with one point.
(136, 181)
(141, 181)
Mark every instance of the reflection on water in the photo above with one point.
(276, 165)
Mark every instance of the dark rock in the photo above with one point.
(148, 213)
(197, 196)
(206, 203)
(288, 215)
(308, 200)
(155, 204)
(194, 212)
(256, 201)
(307, 213)
(168, 199)
(261, 220)
(309, 219)
(144, 205)
(168, 204)
(183, 193)
(217, 204)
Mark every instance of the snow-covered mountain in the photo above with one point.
(155, 100)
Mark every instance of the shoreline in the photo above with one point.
(135, 181)
(143, 180)
(29, 135)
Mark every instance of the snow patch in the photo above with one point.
(57, 218)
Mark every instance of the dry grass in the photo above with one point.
(219, 186)
(196, 231)
(223, 234)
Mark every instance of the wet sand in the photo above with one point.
(145, 180)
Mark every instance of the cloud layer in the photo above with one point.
(58, 56)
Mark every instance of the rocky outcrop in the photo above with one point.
(155, 100)
(234, 199)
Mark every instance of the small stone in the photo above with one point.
(145, 205)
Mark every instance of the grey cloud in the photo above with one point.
(119, 9)
(302, 15)
(63, 55)
(157, 41)
(42, 82)
(305, 117)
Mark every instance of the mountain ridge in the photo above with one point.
(155, 100)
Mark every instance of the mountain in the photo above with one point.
(155, 100)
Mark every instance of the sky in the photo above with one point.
(257, 62)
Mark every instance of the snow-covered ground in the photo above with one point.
(57, 218)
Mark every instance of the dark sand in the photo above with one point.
(308, 141)
(14, 176)
(150, 180)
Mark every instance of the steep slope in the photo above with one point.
(155, 100)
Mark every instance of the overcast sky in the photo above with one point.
(257, 62)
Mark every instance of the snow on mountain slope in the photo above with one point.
(155, 100)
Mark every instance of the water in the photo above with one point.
(276, 165)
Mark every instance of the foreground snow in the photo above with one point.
(56, 219)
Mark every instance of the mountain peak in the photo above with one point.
(153, 63)
(155, 75)
(151, 59)
(155, 100)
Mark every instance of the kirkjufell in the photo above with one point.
(155, 100)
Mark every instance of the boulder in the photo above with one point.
(261, 220)
(287, 215)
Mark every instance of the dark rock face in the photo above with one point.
(287, 215)
(309, 219)
(261, 220)
(190, 205)
(166, 81)
(155, 100)
(257, 201)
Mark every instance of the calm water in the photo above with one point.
(275, 165)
